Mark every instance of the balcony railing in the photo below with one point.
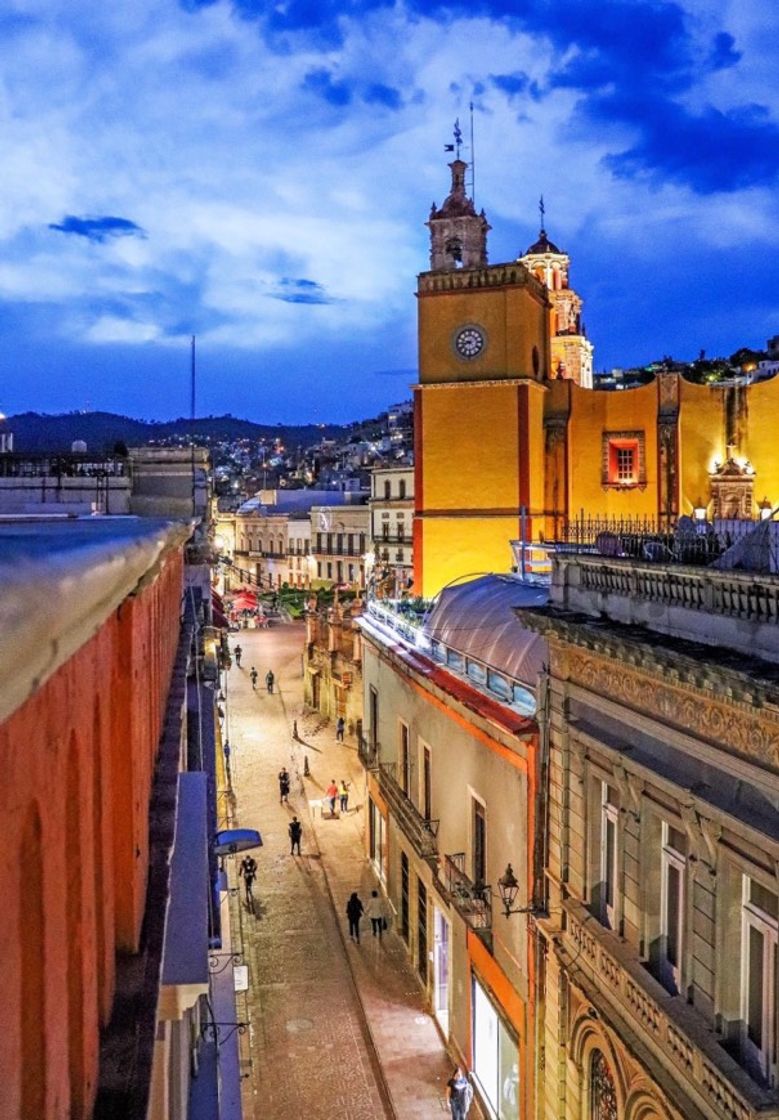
(473, 901)
(421, 832)
(671, 1028)
(368, 753)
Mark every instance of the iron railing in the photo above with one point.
(473, 901)
(420, 831)
(368, 753)
(73, 465)
(687, 541)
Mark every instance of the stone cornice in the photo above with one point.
(726, 708)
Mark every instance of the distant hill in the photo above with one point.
(38, 432)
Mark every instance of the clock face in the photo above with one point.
(469, 342)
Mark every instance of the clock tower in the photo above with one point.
(484, 357)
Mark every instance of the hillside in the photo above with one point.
(38, 432)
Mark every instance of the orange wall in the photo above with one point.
(761, 446)
(594, 412)
(77, 763)
(701, 440)
(513, 319)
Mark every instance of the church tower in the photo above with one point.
(484, 358)
(458, 235)
(571, 349)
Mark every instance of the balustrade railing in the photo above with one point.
(473, 901)
(673, 1029)
(420, 831)
(368, 753)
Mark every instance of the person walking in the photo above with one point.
(238, 654)
(343, 795)
(459, 1094)
(377, 914)
(283, 786)
(248, 872)
(354, 911)
(269, 679)
(340, 727)
(295, 835)
(253, 676)
(331, 793)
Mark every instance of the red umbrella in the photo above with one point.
(245, 601)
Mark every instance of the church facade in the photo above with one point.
(513, 442)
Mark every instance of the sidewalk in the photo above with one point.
(413, 1058)
(336, 1028)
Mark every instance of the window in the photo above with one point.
(478, 841)
(319, 568)
(385, 531)
(498, 684)
(350, 544)
(377, 838)
(422, 931)
(402, 488)
(319, 542)
(339, 543)
(523, 699)
(603, 1095)
(373, 716)
(760, 935)
(495, 1056)
(427, 787)
(404, 907)
(404, 761)
(351, 573)
(672, 875)
(387, 489)
(329, 570)
(476, 672)
(455, 660)
(609, 817)
(340, 570)
(623, 459)
(330, 543)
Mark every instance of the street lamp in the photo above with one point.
(508, 887)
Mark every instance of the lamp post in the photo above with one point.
(508, 888)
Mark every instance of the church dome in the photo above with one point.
(543, 245)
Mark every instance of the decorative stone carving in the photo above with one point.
(732, 489)
(735, 726)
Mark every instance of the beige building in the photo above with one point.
(662, 910)
(268, 544)
(332, 674)
(339, 542)
(450, 745)
(392, 525)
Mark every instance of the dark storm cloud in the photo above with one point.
(379, 94)
(709, 151)
(301, 291)
(97, 229)
(322, 83)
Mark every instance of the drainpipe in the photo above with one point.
(540, 893)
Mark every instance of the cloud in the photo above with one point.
(301, 291)
(326, 86)
(98, 229)
(723, 53)
(378, 94)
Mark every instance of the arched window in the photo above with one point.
(402, 487)
(387, 489)
(603, 1095)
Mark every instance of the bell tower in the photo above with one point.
(484, 361)
(571, 349)
(458, 235)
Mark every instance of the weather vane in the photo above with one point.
(458, 140)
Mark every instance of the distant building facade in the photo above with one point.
(392, 517)
(339, 542)
(332, 664)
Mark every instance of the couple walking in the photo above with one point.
(340, 793)
(375, 909)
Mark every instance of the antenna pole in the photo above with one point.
(473, 160)
(192, 382)
(192, 430)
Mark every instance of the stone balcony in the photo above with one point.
(674, 1032)
(420, 832)
(737, 610)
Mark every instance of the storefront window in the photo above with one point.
(495, 1058)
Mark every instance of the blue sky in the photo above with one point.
(259, 174)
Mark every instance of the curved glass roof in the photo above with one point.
(477, 619)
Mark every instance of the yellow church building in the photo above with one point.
(512, 441)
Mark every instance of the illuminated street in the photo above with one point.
(314, 1051)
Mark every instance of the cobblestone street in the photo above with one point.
(335, 1028)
